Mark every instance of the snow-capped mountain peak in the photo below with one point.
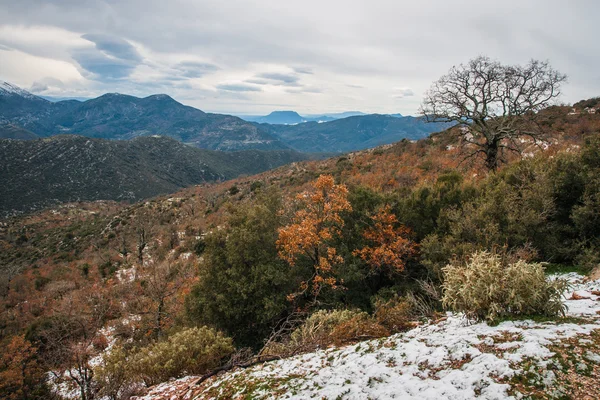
(8, 88)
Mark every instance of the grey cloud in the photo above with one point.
(5, 48)
(114, 46)
(305, 89)
(194, 69)
(278, 78)
(38, 87)
(401, 93)
(257, 81)
(112, 57)
(45, 84)
(275, 79)
(238, 87)
(304, 70)
(101, 66)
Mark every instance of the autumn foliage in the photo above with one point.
(19, 368)
(311, 231)
(391, 243)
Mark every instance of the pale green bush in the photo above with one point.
(489, 288)
(324, 328)
(113, 374)
(188, 352)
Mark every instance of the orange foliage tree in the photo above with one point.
(19, 369)
(391, 243)
(311, 231)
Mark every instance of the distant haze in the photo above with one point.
(313, 57)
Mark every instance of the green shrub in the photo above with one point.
(242, 283)
(113, 374)
(190, 351)
(488, 288)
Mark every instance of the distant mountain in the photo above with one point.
(58, 98)
(334, 116)
(64, 168)
(117, 116)
(281, 117)
(292, 117)
(353, 133)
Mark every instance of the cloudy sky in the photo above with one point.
(253, 57)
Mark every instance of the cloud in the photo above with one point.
(102, 66)
(403, 92)
(111, 57)
(304, 89)
(114, 46)
(238, 87)
(278, 78)
(194, 69)
(142, 46)
(304, 70)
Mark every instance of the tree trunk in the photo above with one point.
(141, 246)
(159, 312)
(491, 156)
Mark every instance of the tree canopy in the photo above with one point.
(495, 105)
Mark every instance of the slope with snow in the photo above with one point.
(8, 88)
(451, 359)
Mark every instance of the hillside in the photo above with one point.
(353, 133)
(67, 168)
(10, 131)
(117, 116)
(93, 289)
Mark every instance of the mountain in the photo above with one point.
(281, 117)
(333, 116)
(117, 116)
(353, 133)
(58, 98)
(292, 117)
(65, 168)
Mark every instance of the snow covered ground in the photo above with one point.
(451, 359)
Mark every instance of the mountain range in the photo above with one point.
(66, 168)
(118, 116)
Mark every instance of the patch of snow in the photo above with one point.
(452, 359)
(9, 88)
(436, 361)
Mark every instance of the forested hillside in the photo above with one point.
(227, 264)
(66, 168)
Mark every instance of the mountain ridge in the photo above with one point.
(121, 116)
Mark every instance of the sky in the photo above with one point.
(254, 57)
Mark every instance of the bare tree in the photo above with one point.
(494, 105)
(161, 281)
(67, 340)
